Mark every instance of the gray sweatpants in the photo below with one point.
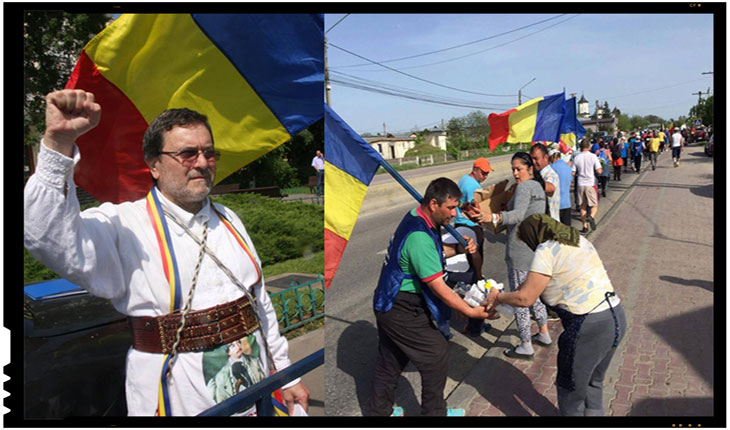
(593, 352)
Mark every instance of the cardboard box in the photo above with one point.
(493, 199)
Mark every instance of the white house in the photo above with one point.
(391, 147)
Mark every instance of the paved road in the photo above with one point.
(351, 337)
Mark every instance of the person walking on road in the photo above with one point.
(568, 274)
(565, 174)
(653, 149)
(617, 147)
(539, 154)
(604, 156)
(637, 151)
(468, 184)
(529, 198)
(411, 292)
(624, 153)
(318, 165)
(585, 167)
(677, 146)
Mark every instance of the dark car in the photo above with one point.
(75, 348)
(700, 134)
(710, 146)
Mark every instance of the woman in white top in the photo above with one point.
(569, 277)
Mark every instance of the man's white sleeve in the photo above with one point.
(79, 248)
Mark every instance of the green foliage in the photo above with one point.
(467, 132)
(288, 165)
(423, 149)
(280, 231)
(34, 271)
(310, 263)
(624, 122)
(52, 43)
(704, 110)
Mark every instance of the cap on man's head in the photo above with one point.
(553, 152)
(483, 164)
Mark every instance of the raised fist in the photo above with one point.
(69, 114)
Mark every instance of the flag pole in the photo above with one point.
(388, 168)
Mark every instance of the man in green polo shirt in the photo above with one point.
(412, 302)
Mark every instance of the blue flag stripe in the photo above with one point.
(280, 56)
(550, 112)
(346, 150)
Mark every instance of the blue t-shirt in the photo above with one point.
(565, 174)
(636, 146)
(467, 185)
(622, 145)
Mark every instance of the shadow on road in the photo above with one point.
(704, 190)
(677, 406)
(707, 285)
(691, 335)
(357, 350)
(508, 389)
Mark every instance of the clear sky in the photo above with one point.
(641, 63)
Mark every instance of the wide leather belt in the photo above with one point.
(204, 329)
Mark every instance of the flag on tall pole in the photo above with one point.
(258, 79)
(537, 120)
(570, 129)
(350, 164)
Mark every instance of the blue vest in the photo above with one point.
(391, 275)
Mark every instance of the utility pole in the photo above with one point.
(699, 101)
(519, 92)
(385, 134)
(327, 86)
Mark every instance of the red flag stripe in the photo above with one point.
(498, 128)
(334, 247)
(115, 144)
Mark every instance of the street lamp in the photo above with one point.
(519, 92)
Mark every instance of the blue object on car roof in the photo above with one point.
(52, 289)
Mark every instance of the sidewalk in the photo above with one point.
(300, 347)
(656, 244)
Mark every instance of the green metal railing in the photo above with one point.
(299, 304)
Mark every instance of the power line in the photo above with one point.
(490, 48)
(648, 91)
(354, 85)
(457, 46)
(333, 26)
(366, 82)
(420, 79)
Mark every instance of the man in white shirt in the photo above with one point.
(539, 154)
(585, 166)
(145, 257)
(318, 164)
(677, 146)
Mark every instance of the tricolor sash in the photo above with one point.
(170, 267)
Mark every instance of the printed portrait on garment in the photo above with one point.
(231, 368)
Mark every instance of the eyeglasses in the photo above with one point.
(187, 157)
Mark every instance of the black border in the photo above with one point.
(13, 51)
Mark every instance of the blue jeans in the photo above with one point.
(320, 182)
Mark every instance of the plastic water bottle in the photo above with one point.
(503, 309)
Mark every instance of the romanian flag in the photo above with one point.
(350, 164)
(258, 79)
(570, 129)
(537, 120)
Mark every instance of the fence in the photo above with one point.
(299, 304)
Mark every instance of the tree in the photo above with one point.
(703, 110)
(52, 43)
(289, 165)
(624, 122)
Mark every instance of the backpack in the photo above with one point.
(615, 151)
